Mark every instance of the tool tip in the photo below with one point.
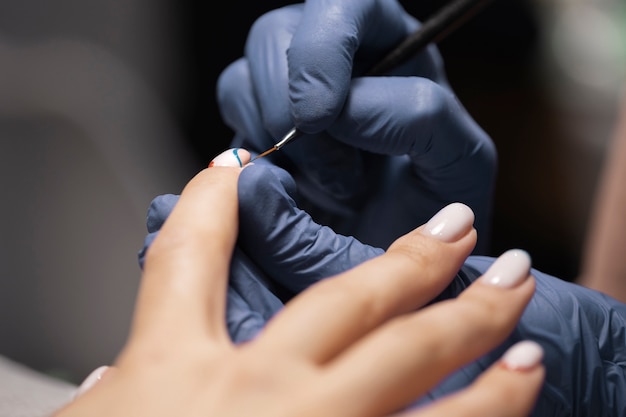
(267, 152)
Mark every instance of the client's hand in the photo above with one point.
(282, 251)
(353, 336)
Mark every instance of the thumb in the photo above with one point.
(284, 240)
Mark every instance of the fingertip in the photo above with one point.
(268, 180)
(523, 356)
(92, 379)
(451, 223)
(509, 387)
(509, 270)
(234, 157)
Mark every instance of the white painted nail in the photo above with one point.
(91, 380)
(236, 157)
(450, 223)
(523, 356)
(510, 269)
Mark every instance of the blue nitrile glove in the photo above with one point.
(280, 250)
(266, 272)
(397, 147)
(583, 334)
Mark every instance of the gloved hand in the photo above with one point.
(276, 256)
(398, 147)
(281, 251)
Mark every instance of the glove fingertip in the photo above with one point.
(316, 98)
(259, 181)
(141, 256)
(230, 87)
(158, 211)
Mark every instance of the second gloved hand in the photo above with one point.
(398, 147)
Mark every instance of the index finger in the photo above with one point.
(183, 289)
(314, 45)
(322, 51)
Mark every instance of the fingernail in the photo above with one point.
(450, 223)
(511, 268)
(522, 356)
(236, 157)
(91, 380)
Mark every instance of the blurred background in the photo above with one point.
(106, 104)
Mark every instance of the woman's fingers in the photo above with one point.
(335, 312)
(183, 290)
(406, 357)
(509, 388)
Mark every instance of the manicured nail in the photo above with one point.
(510, 269)
(522, 356)
(91, 380)
(450, 223)
(235, 157)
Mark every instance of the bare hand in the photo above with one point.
(356, 344)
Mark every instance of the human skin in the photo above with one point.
(179, 359)
(604, 264)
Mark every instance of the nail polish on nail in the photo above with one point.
(450, 223)
(91, 380)
(236, 153)
(229, 158)
(522, 356)
(510, 269)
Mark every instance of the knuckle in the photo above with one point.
(489, 313)
(268, 22)
(430, 98)
(140, 352)
(167, 244)
(366, 297)
(416, 251)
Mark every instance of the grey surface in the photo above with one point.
(26, 393)
(86, 142)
